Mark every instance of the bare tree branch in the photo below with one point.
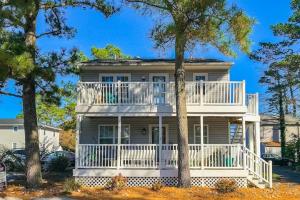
(10, 94)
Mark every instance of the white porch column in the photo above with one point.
(244, 140)
(119, 142)
(257, 137)
(251, 137)
(160, 140)
(202, 138)
(78, 131)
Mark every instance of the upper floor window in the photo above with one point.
(109, 78)
(14, 145)
(200, 77)
(15, 129)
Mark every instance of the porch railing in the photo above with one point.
(145, 93)
(147, 156)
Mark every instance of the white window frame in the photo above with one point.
(115, 132)
(207, 127)
(15, 131)
(200, 74)
(158, 74)
(114, 75)
(150, 126)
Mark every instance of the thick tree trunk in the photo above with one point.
(33, 165)
(184, 179)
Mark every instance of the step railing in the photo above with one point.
(258, 167)
(159, 93)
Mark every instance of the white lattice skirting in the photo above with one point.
(149, 181)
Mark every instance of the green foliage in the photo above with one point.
(117, 183)
(157, 186)
(108, 52)
(293, 149)
(62, 114)
(226, 185)
(58, 164)
(215, 23)
(71, 185)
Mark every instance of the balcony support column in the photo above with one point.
(202, 139)
(244, 140)
(78, 131)
(160, 138)
(257, 137)
(119, 142)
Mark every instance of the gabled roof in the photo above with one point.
(150, 63)
(20, 122)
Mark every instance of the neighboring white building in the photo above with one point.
(126, 123)
(12, 135)
(270, 132)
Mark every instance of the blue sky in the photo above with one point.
(130, 31)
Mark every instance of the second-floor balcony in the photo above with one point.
(203, 93)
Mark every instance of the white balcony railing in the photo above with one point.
(158, 93)
(148, 156)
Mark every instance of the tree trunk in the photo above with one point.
(282, 123)
(33, 164)
(184, 179)
(293, 101)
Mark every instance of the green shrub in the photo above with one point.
(71, 185)
(226, 185)
(117, 183)
(157, 186)
(58, 164)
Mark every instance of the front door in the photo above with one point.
(159, 88)
(155, 135)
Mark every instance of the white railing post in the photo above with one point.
(78, 129)
(160, 141)
(270, 174)
(201, 93)
(257, 104)
(244, 92)
(202, 146)
(119, 92)
(119, 142)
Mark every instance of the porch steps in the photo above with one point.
(256, 181)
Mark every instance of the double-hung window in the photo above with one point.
(197, 134)
(108, 134)
(113, 92)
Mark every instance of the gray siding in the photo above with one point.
(137, 76)
(218, 128)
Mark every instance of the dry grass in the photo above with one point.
(280, 191)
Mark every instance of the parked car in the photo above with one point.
(276, 159)
(50, 157)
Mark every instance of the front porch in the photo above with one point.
(146, 148)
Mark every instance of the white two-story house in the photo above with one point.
(126, 123)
